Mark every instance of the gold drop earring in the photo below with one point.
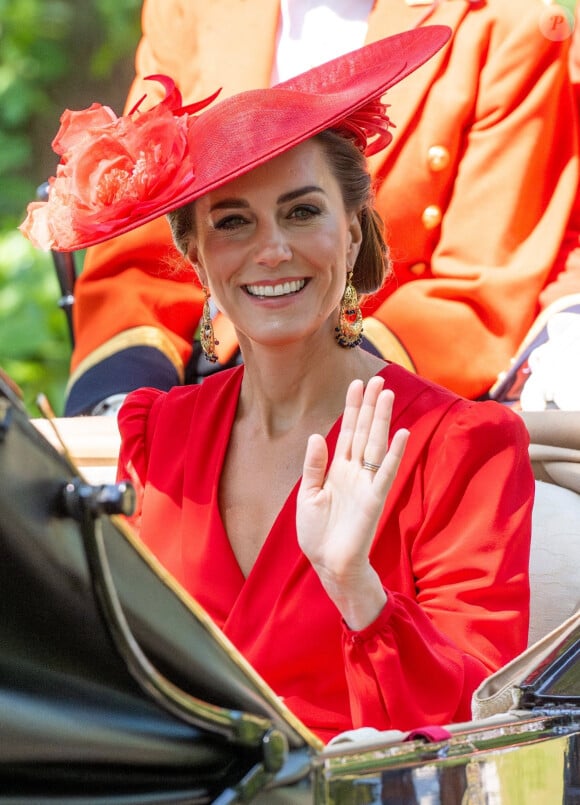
(206, 334)
(350, 321)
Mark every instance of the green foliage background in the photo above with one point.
(53, 54)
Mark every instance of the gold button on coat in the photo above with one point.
(431, 216)
(418, 268)
(438, 158)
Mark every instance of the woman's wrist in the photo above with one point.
(360, 601)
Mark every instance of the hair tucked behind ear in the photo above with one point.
(350, 169)
(373, 264)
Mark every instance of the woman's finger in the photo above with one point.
(391, 462)
(315, 464)
(366, 417)
(375, 447)
(352, 404)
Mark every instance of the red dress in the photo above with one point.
(451, 548)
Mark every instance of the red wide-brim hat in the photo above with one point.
(117, 173)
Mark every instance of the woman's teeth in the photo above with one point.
(276, 290)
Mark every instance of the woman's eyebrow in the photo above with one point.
(237, 203)
(228, 203)
(301, 191)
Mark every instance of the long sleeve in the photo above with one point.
(136, 420)
(467, 615)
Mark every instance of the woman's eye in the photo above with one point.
(304, 212)
(230, 222)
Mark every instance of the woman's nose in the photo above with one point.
(273, 247)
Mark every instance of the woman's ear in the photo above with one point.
(193, 257)
(355, 240)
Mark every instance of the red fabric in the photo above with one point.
(429, 734)
(452, 551)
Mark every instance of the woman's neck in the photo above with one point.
(287, 386)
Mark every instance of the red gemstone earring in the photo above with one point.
(350, 321)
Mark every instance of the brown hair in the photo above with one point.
(349, 167)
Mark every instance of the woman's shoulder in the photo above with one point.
(141, 403)
(409, 387)
(146, 398)
(152, 419)
(146, 408)
(420, 400)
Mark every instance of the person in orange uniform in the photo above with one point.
(476, 190)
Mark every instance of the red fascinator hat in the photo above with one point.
(117, 173)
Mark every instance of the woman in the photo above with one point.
(371, 579)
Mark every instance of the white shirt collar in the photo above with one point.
(312, 32)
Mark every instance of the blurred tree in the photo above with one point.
(53, 54)
(33, 332)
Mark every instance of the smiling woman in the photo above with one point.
(360, 534)
(275, 238)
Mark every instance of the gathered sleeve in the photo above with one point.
(136, 422)
(467, 546)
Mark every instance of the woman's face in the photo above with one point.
(275, 247)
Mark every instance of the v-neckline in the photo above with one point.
(290, 499)
(266, 552)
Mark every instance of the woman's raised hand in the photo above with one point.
(338, 510)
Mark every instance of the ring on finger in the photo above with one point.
(368, 465)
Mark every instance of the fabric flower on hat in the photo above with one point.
(113, 168)
(369, 121)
